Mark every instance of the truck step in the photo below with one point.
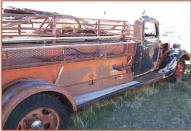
(92, 96)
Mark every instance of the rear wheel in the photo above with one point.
(40, 111)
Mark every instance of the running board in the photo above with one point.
(149, 78)
(88, 97)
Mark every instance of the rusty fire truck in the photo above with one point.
(53, 64)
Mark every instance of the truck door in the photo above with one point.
(147, 51)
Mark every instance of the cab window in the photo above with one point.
(150, 30)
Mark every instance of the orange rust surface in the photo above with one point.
(48, 72)
(94, 85)
(74, 73)
(78, 72)
(93, 75)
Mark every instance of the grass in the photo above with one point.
(161, 105)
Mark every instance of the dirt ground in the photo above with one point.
(161, 105)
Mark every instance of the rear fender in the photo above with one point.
(23, 89)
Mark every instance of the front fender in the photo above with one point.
(23, 89)
(172, 57)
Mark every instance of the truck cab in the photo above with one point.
(148, 46)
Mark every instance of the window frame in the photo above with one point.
(156, 31)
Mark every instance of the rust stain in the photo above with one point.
(48, 72)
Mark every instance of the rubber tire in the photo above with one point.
(36, 101)
(173, 77)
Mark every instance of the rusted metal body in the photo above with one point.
(74, 56)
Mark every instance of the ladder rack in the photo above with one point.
(39, 27)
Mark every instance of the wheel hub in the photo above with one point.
(37, 124)
(41, 118)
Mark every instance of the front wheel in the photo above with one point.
(40, 111)
(178, 73)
